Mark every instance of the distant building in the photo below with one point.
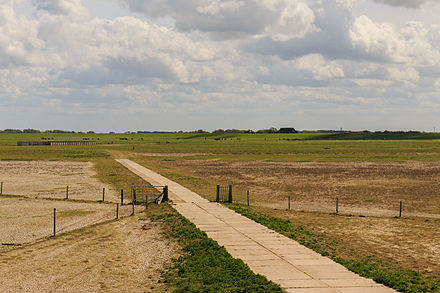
(287, 130)
(54, 142)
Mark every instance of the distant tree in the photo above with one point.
(29, 130)
(13, 131)
(218, 131)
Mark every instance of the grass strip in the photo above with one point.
(205, 266)
(402, 280)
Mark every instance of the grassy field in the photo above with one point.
(369, 172)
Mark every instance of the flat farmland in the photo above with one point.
(369, 188)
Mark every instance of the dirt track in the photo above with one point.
(122, 256)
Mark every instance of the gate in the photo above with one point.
(224, 194)
(148, 193)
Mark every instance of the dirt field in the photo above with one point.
(120, 256)
(48, 179)
(24, 220)
(362, 187)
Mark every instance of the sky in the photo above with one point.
(127, 65)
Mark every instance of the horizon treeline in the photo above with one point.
(201, 131)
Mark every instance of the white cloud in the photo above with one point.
(404, 3)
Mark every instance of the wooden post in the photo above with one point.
(400, 210)
(122, 197)
(132, 211)
(165, 194)
(103, 194)
(230, 194)
(217, 198)
(117, 211)
(289, 202)
(146, 201)
(337, 205)
(67, 192)
(1, 188)
(134, 196)
(248, 197)
(54, 221)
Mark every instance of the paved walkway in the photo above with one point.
(294, 267)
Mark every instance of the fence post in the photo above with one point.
(122, 197)
(134, 196)
(117, 211)
(103, 194)
(54, 221)
(1, 188)
(248, 197)
(217, 198)
(132, 209)
(165, 193)
(230, 194)
(400, 209)
(289, 202)
(146, 201)
(337, 205)
(67, 192)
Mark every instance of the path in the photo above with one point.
(294, 267)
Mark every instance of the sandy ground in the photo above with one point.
(24, 220)
(48, 179)
(362, 187)
(120, 256)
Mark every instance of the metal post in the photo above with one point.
(122, 197)
(103, 194)
(289, 202)
(134, 196)
(117, 211)
(54, 221)
(1, 188)
(248, 197)
(132, 211)
(400, 210)
(337, 205)
(217, 198)
(146, 201)
(67, 192)
(230, 194)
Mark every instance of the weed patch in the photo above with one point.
(205, 266)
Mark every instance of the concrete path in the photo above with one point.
(294, 267)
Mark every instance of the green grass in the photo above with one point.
(204, 265)
(389, 274)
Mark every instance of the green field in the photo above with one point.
(407, 242)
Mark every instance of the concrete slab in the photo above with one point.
(294, 267)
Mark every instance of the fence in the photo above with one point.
(224, 194)
(148, 193)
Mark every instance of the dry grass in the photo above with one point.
(362, 187)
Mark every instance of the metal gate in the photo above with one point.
(224, 193)
(148, 193)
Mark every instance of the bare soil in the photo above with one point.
(49, 179)
(119, 256)
(362, 187)
(25, 220)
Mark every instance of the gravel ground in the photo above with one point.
(120, 256)
(49, 179)
(24, 220)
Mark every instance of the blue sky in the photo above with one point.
(116, 65)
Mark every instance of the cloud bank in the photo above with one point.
(217, 58)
